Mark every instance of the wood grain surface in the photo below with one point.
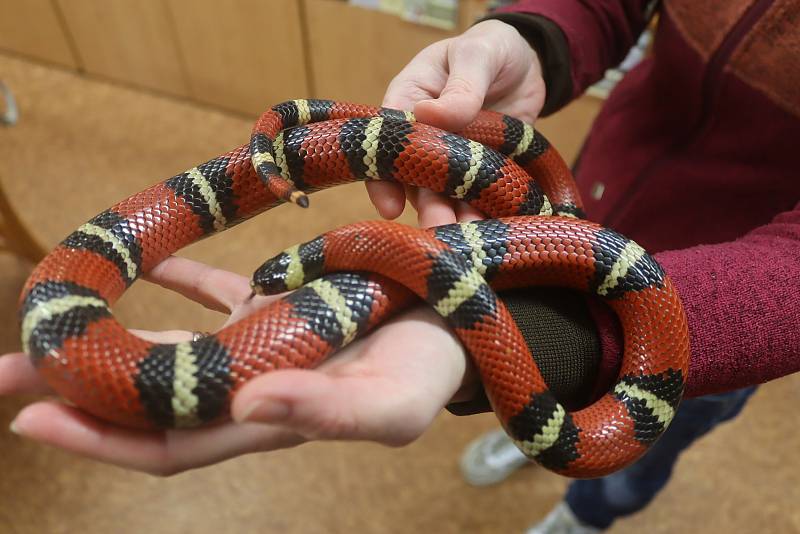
(242, 55)
(33, 28)
(127, 40)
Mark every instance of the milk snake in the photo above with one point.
(307, 145)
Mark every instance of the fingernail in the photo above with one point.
(14, 428)
(266, 411)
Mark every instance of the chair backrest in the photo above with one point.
(9, 110)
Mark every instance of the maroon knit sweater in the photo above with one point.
(696, 149)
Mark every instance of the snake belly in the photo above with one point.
(306, 145)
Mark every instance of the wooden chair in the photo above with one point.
(14, 237)
(8, 111)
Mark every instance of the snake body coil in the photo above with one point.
(536, 238)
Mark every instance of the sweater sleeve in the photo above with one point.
(742, 305)
(594, 36)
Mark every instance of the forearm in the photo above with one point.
(742, 306)
(741, 299)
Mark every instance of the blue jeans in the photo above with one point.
(598, 502)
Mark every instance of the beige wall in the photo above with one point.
(241, 55)
(35, 29)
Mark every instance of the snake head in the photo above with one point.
(290, 269)
(274, 276)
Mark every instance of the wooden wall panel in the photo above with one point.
(470, 11)
(355, 52)
(33, 28)
(127, 40)
(245, 55)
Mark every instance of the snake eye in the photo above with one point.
(272, 277)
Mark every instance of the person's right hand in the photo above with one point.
(490, 66)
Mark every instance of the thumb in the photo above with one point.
(463, 95)
(320, 406)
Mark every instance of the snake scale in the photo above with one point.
(350, 280)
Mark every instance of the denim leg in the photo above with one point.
(598, 502)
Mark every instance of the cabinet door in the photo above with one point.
(354, 52)
(244, 55)
(33, 28)
(126, 40)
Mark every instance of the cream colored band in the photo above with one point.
(184, 382)
(370, 146)
(660, 408)
(210, 196)
(51, 308)
(627, 258)
(525, 142)
(475, 241)
(303, 111)
(295, 274)
(546, 438)
(119, 247)
(476, 159)
(461, 291)
(336, 301)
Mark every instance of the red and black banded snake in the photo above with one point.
(536, 237)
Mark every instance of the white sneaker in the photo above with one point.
(490, 459)
(561, 520)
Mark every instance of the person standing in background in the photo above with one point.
(692, 156)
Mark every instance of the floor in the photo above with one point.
(82, 145)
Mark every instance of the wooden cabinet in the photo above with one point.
(243, 55)
(126, 40)
(33, 28)
(355, 52)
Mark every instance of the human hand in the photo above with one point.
(387, 388)
(490, 66)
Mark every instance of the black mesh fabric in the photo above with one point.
(563, 339)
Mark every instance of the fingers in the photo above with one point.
(167, 336)
(467, 213)
(319, 406)
(470, 74)
(423, 78)
(18, 376)
(389, 198)
(158, 453)
(387, 388)
(214, 288)
(435, 209)
(432, 208)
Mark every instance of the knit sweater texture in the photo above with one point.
(695, 153)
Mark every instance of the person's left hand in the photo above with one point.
(387, 388)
